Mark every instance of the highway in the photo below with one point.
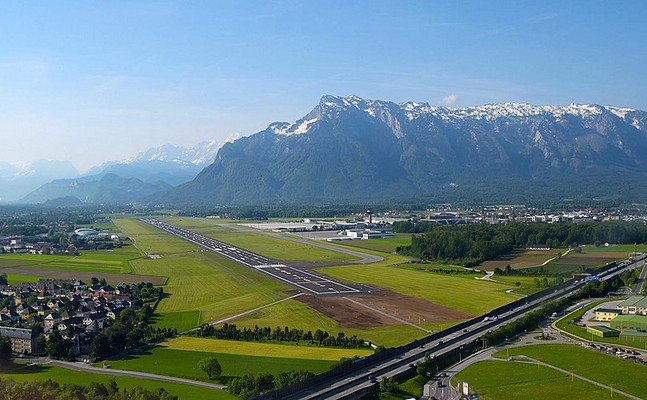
(299, 278)
(357, 383)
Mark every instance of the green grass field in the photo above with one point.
(283, 350)
(624, 248)
(199, 282)
(183, 363)
(590, 364)
(498, 380)
(461, 292)
(383, 245)
(107, 261)
(62, 375)
(266, 245)
(14, 279)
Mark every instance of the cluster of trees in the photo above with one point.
(388, 385)
(50, 390)
(249, 386)
(471, 244)
(509, 271)
(265, 334)
(629, 277)
(449, 271)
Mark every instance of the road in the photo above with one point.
(355, 384)
(75, 366)
(300, 278)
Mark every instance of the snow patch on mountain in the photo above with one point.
(201, 154)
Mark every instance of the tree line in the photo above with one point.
(471, 244)
(50, 390)
(265, 334)
(249, 385)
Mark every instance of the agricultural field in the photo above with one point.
(499, 380)
(520, 259)
(62, 375)
(284, 350)
(261, 243)
(113, 265)
(588, 258)
(616, 371)
(180, 359)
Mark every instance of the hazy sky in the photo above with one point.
(92, 81)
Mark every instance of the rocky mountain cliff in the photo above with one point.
(352, 149)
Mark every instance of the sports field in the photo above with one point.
(62, 375)
(499, 380)
(590, 364)
(263, 244)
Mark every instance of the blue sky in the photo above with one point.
(95, 81)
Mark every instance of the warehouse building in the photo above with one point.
(602, 331)
(606, 314)
(629, 322)
(634, 305)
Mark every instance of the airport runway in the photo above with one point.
(297, 277)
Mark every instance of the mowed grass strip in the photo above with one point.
(500, 380)
(184, 363)
(200, 281)
(591, 364)
(302, 351)
(63, 375)
(266, 245)
(382, 245)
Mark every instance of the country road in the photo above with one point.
(80, 367)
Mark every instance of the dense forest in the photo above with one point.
(470, 244)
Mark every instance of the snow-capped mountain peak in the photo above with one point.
(201, 154)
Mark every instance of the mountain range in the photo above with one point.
(352, 149)
(348, 149)
(16, 182)
(130, 180)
